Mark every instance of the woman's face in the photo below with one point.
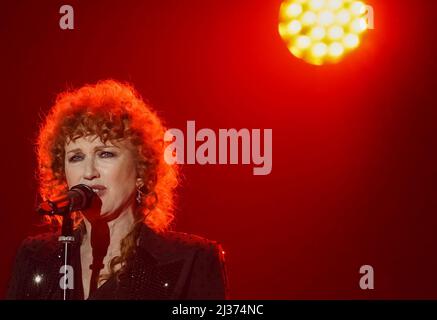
(107, 168)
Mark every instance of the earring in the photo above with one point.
(140, 184)
(139, 196)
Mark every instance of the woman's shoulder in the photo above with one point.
(189, 240)
(208, 276)
(174, 243)
(40, 245)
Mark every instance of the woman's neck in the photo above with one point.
(118, 229)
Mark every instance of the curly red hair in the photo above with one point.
(111, 110)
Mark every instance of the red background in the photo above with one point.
(354, 150)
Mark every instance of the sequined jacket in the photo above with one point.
(169, 265)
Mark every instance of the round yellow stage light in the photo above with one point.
(322, 31)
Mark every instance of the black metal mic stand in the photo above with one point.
(81, 198)
(67, 238)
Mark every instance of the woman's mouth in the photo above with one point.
(98, 189)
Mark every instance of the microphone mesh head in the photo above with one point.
(84, 199)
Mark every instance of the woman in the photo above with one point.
(106, 137)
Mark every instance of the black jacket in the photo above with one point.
(169, 265)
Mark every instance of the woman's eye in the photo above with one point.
(75, 158)
(106, 154)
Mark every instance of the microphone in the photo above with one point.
(79, 197)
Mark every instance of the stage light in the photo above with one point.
(336, 49)
(294, 27)
(357, 8)
(316, 4)
(351, 41)
(335, 4)
(317, 33)
(343, 17)
(309, 18)
(303, 42)
(319, 50)
(322, 31)
(294, 10)
(326, 18)
(335, 32)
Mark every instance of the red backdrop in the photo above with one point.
(354, 150)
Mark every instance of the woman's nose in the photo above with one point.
(91, 171)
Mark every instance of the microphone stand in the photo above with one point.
(66, 238)
(80, 197)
